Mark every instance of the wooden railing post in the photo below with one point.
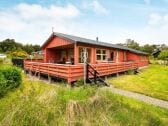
(69, 74)
(95, 77)
(87, 73)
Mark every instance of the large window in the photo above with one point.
(101, 55)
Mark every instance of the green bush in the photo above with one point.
(163, 55)
(1, 60)
(18, 53)
(79, 83)
(2, 84)
(130, 72)
(10, 78)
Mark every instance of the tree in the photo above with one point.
(148, 48)
(29, 48)
(9, 45)
(36, 48)
(163, 55)
(132, 44)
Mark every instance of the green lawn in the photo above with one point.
(36, 103)
(152, 81)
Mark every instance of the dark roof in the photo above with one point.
(92, 42)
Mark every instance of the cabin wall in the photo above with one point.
(122, 56)
(119, 55)
(142, 60)
(52, 55)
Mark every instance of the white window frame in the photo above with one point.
(101, 54)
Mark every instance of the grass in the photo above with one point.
(36, 103)
(152, 81)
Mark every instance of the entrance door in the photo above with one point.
(81, 54)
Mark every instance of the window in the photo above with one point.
(101, 55)
(111, 56)
(81, 54)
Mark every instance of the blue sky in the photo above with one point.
(31, 21)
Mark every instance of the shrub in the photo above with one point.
(1, 60)
(10, 78)
(18, 62)
(130, 72)
(163, 55)
(79, 83)
(2, 84)
(19, 53)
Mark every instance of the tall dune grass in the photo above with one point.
(38, 104)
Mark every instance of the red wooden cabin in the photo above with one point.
(62, 57)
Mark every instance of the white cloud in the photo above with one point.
(35, 11)
(29, 22)
(158, 20)
(155, 31)
(155, 19)
(98, 8)
(95, 6)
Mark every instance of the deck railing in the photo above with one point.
(74, 72)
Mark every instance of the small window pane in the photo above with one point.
(98, 57)
(112, 56)
(98, 51)
(104, 57)
(104, 51)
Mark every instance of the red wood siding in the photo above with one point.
(52, 55)
(137, 58)
(121, 56)
(56, 41)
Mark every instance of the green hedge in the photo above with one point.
(10, 78)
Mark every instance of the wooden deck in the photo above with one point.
(74, 72)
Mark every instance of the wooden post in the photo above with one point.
(87, 74)
(95, 77)
(39, 77)
(49, 79)
(106, 77)
(76, 56)
(69, 75)
(85, 64)
(30, 73)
